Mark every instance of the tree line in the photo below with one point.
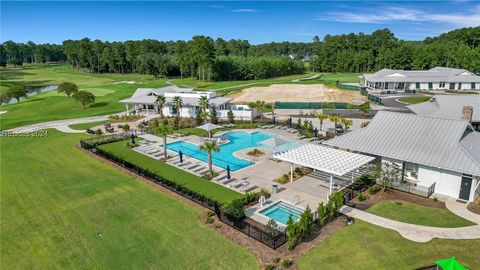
(206, 59)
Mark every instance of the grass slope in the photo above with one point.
(108, 89)
(193, 182)
(54, 205)
(414, 100)
(418, 214)
(366, 246)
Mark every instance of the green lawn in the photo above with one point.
(418, 214)
(56, 199)
(238, 85)
(85, 126)
(330, 79)
(193, 182)
(414, 100)
(366, 246)
(108, 89)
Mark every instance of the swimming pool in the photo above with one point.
(281, 211)
(238, 140)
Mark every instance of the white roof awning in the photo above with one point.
(323, 158)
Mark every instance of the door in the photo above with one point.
(465, 187)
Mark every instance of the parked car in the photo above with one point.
(339, 128)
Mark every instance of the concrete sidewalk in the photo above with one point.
(61, 125)
(419, 233)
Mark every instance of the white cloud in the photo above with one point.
(390, 14)
(248, 10)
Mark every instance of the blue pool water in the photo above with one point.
(237, 141)
(281, 211)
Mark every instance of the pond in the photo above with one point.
(31, 92)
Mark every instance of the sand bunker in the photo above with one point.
(296, 93)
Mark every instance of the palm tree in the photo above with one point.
(163, 131)
(160, 102)
(321, 117)
(177, 103)
(203, 103)
(210, 146)
(260, 106)
(335, 120)
(347, 123)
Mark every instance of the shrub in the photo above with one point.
(362, 197)
(99, 132)
(298, 230)
(272, 228)
(264, 192)
(269, 267)
(276, 260)
(126, 127)
(330, 210)
(374, 189)
(435, 198)
(287, 263)
(249, 197)
(284, 179)
(365, 180)
(209, 220)
(298, 171)
(236, 209)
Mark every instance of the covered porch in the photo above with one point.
(334, 169)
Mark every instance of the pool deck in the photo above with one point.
(301, 192)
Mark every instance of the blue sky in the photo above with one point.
(258, 22)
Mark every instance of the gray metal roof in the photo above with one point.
(437, 74)
(146, 99)
(448, 106)
(430, 141)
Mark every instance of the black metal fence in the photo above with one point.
(244, 225)
(248, 227)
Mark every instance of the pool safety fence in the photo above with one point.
(246, 226)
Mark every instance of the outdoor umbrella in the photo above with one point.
(133, 139)
(290, 122)
(273, 119)
(315, 132)
(450, 264)
(228, 172)
(274, 142)
(209, 127)
(180, 154)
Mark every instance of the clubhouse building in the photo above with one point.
(389, 81)
(436, 155)
(144, 101)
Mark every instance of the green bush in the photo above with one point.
(276, 260)
(264, 192)
(365, 180)
(374, 189)
(296, 230)
(272, 228)
(269, 267)
(362, 197)
(331, 209)
(287, 263)
(298, 171)
(236, 208)
(249, 197)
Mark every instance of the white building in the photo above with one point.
(434, 153)
(144, 101)
(389, 81)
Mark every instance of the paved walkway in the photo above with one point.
(419, 233)
(61, 125)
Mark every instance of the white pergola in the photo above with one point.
(323, 158)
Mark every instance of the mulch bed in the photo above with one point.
(474, 207)
(394, 195)
(264, 254)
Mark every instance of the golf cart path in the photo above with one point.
(420, 233)
(61, 125)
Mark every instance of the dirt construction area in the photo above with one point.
(297, 93)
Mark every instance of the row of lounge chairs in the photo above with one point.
(190, 166)
(229, 126)
(241, 185)
(148, 148)
(267, 126)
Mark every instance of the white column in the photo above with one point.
(291, 172)
(146, 106)
(331, 186)
(126, 109)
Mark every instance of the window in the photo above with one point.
(459, 86)
(441, 85)
(452, 86)
(401, 85)
(473, 85)
(430, 86)
(417, 85)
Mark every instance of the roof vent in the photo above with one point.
(467, 113)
